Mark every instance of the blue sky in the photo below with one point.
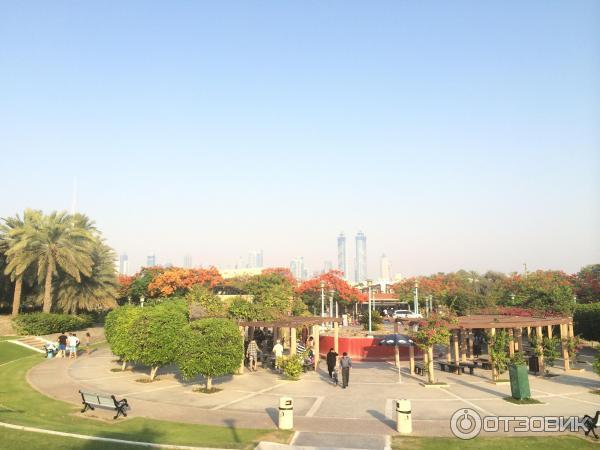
(454, 134)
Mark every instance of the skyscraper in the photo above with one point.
(151, 260)
(124, 264)
(297, 268)
(341, 243)
(327, 266)
(187, 261)
(360, 262)
(385, 268)
(255, 259)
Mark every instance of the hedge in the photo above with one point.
(42, 323)
(586, 321)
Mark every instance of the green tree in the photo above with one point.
(117, 329)
(156, 335)
(98, 290)
(210, 304)
(210, 347)
(497, 348)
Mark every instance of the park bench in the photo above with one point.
(419, 369)
(452, 367)
(470, 366)
(93, 401)
(485, 363)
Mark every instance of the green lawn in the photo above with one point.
(12, 439)
(10, 352)
(22, 405)
(492, 443)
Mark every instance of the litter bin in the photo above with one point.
(519, 381)
(404, 416)
(286, 413)
(534, 364)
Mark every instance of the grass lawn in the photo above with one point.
(522, 443)
(10, 352)
(11, 439)
(22, 405)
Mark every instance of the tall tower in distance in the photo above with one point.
(151, 260)
(341, 244)
(360, 263)
(124, 264)
(255, 259)
(187, 261)
(385, 268)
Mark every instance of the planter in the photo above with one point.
(519, 382)
(534, 364)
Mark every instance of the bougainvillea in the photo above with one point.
(433, 330)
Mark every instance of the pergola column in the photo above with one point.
(456, 352)
(520, 338)
(564, 334)
(411, 358)
(540, 348)
(511, 342)
(292, 340)
(570, 328)
(449, 351)
(242, 333)
(549, 329)
(430, 364)
(494, 373)
(471, 338)
(317, 354)
(336, 337)
(463, 345)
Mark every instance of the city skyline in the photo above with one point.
(450, 142)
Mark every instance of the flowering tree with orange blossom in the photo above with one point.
(310, 290)
(177, 281)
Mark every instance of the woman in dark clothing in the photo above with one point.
(331, 361)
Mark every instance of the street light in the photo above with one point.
(369, 283)
(416, 302)
(331, 292)
(142, 299)
(322, 284)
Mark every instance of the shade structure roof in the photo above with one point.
(289, 322)
(489, 321)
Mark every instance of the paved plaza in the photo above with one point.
(365, 408)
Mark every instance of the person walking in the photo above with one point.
(88, 343)
(252, 354)
(72, 343)
(62, 344)
(345, 364)
(278, 351)
(331, 361)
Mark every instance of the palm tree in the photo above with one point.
(55, 242)
(99, 289)
(12, 235)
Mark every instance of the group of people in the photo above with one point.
(68, 345)
(304, 347)
(345, 363)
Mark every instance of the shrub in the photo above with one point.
(597, 364)
(518, 359)
(585, 321)
(292, 366)
(376, 320)
(48, 323)
(497, 346)
(117, 330)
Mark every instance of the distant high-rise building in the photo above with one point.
(360, 262)
(327, 266)
(187, 261)
(341, 244)
(124, 264)
(255, 259)
(168, 264)
(151, 260)
(297, 268)
(385, 268)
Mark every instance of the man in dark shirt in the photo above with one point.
(345, 364)
(331, 361)
(62, 344)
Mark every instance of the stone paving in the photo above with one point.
(365, 408)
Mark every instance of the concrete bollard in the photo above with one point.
(404, 416)
(286, 413)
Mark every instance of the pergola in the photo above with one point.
(290, 324)
(460, 349)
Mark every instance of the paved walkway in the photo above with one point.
(366, 407)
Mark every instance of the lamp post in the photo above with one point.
(416, 302)
(322, 284)
(427, 306)
(142, 299)
(331, 292)
(430, 303)
(129, 299)
(369, 283)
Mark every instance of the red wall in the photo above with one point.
(365, 348)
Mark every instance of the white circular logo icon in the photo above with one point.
(465, 423)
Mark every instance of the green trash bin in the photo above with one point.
(519, 381)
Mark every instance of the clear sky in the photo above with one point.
(454, 134)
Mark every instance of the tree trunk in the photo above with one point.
(153, 372)
(124, 365)
(17, 296)
(430, 372)
(208, 383)
(48, 290)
